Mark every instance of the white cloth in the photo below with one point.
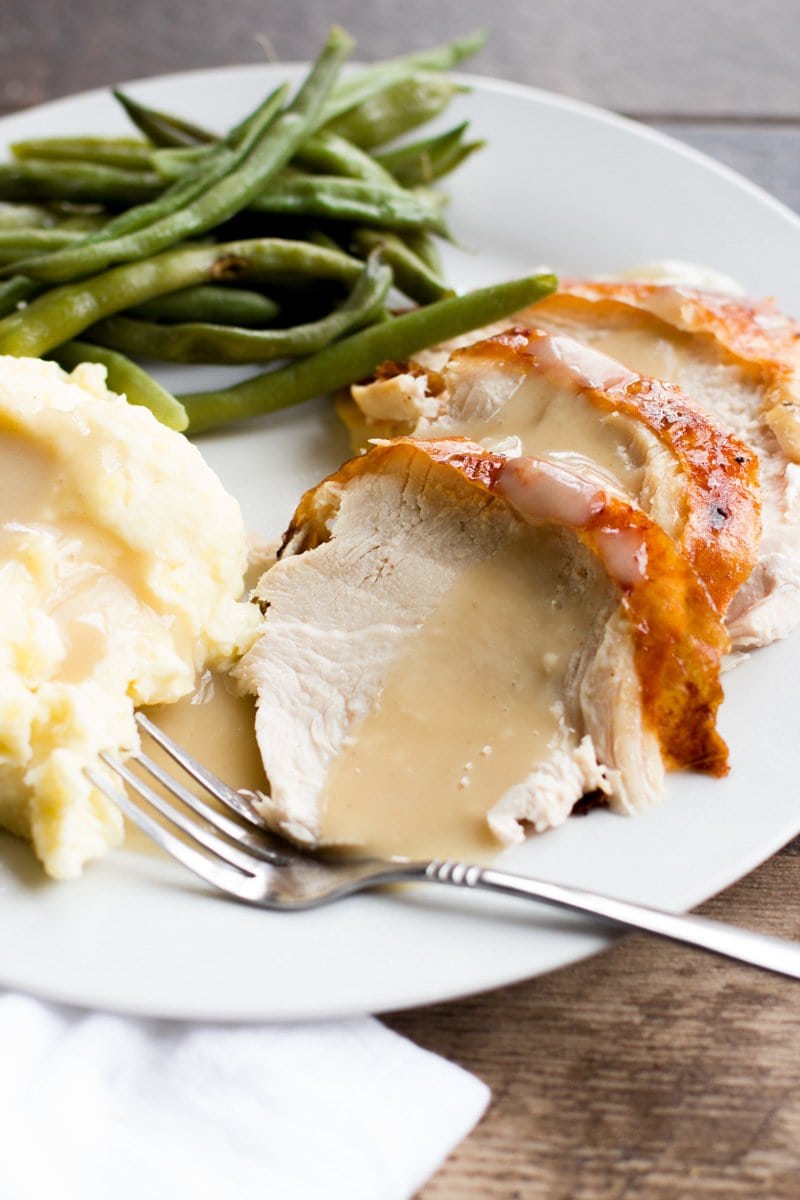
(96, 1106)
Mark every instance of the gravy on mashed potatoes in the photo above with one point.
(121, 566)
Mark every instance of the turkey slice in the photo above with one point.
(456, 640)
(738, 360)
(537, 393)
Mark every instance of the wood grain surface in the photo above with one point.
(648, 57)
(648, 1072)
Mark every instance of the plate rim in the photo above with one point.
(474, 80)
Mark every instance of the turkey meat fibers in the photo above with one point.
(460, 645)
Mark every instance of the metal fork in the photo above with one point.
(233, 851)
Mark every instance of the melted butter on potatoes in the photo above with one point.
(121, 564)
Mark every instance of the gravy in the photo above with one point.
(218, 728)
(565, 425)
(469, 709)
(644, 351)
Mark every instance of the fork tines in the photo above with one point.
(228, 846)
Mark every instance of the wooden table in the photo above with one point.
(648, 1072)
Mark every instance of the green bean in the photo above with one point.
(26, 216)
(331, 198)
(207, 164)
(16, 293)
(167, 130)
(87, 218)
(112, 152)
(374, 202)
(162, 128)
(224, 198)
(224, 156)
(62, 313)
(411, 275)
(420, 242)
(357, 356)
(217, 164)
(207, 302)
(331, 154)
(318, 237)
(171, 162)
(396, 110)
(198, 342)
(445, 164)
(98, 249)
(422, 162)
(16, 243)
(324, 152)
(35, 179)
(126, 379)
(362, 85)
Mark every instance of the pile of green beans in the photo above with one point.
(280, 239)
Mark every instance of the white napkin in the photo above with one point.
(95, 1106)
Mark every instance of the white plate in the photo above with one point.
(559, 183)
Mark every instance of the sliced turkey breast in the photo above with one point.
(532, 392)
(456, 641)
(757, 335)
(740, 362)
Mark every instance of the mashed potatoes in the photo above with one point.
(121, 564)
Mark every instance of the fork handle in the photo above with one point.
(744, 945)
